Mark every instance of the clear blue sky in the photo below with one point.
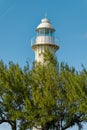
(19, 19)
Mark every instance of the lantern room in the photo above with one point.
(45, 32)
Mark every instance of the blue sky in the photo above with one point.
(19, 19)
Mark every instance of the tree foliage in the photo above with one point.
(50, 95)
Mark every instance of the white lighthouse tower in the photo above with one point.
(45, 39)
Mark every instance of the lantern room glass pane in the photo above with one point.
(45, 32)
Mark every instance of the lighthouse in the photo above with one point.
(45, 39)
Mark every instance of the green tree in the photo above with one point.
(51, 95)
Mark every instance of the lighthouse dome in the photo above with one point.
(45, 23)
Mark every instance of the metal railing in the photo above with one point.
(45, 40)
